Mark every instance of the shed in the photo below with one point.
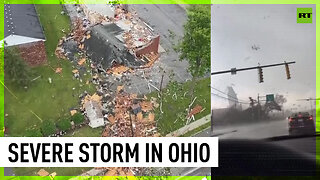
(94, 113)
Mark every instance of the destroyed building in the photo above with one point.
(109, 35)
(91, 105)
(94, 114)
(104, 48)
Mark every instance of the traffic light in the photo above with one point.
(287, 71)
(260, 75)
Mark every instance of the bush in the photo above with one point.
(48, 128)
(33, 133)
(17, 71)
(64, 124)
(77, 118)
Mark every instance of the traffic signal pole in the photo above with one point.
(235, 70)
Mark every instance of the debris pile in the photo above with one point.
(118, 70)
(132, 116)
(79, 32)
(138, 34)
(123, 38)
(109, 35)
(93, 17)
(151, 58)
(74, 41)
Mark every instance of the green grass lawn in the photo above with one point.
(47, 101)
(175, 102)
(86, 131)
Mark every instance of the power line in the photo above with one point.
(235, 98)
(229, 99)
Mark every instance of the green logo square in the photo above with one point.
(304, 15)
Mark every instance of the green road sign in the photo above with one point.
(269, 97)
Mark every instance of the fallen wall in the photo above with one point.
(153, 46)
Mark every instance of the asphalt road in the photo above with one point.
(253, 131)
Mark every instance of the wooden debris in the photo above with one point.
(42, 172)
(75, 71)
(151, 117)
(139, 116)
(151, 57)
(133, 96)
(118, 69)
(72, 112)
(197, 109)
(82, 60)
(119, 89)
(111, 119)
(58, 70)
(146, 106)
(96, 97)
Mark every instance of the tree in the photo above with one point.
(64, 124)
(280, 99)
(77, 118)
(48, 128)
(195, 44)
(16, 70)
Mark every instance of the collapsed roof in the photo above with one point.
(106, 49)
(94, 114)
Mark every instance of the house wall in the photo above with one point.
(153, 46)
(33, 53)
(14, 40)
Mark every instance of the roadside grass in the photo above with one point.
(47, 101)
(175, 102)
(197, 130)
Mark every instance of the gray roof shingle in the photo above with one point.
(22, 19)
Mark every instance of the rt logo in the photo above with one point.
(304, 15)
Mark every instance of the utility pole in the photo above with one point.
(258, 106)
